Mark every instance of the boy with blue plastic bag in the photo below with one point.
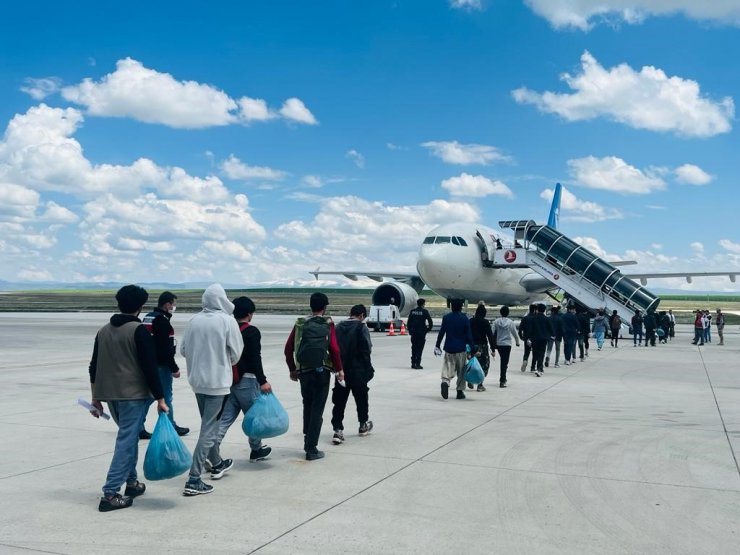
(250, 382)
(123, 372)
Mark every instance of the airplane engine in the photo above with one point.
(404, 296)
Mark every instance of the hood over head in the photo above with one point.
(215, 300)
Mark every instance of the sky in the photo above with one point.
(251, 142)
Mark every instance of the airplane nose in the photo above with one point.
(432, 261)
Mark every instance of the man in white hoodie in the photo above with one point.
(211, 345)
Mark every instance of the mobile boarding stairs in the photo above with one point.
(574, 269)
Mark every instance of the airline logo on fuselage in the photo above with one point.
(510, 256)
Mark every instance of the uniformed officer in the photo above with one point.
(418, 324)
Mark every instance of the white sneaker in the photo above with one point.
(567, 363)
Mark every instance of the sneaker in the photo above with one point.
(445, 387)
(547, 361)
(134, 490)
(182, 431)
(207, 465)
(366, 428)
(538, 374)
(260, 454)
(524, 365)
(196, 488)
(470, 385)
(567, 363)
(114, 502)
(338, 437)
(502, 385)
(556, 365)
(143, 434)
(461, 394)
(482, 387)
(218, 471)
(419, 367)
(314, 455)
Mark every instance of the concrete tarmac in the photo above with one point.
(632, 451)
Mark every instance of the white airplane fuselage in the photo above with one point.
(455, 269)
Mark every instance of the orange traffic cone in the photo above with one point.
(403, 329)
(392, 330)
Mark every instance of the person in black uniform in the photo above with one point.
(418, 325)
(483, 337)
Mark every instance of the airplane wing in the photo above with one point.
(375, 276)
(687, 275)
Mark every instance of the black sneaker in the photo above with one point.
(445, 387)
(218, 471)
(502, 384)
(143, 434)
(419, 367)
(197, 488)
(366, 428)
(338, 437)
(182, 431)
(481, 387)
(470, 385)
(460, 394)
(260, 454)
(134, 490)
(547, 361)
(115, 502)
(314, 455)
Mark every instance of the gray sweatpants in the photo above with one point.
(454, 366)
(210, 408)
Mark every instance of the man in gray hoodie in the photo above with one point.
(211, 345)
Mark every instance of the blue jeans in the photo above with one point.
(165, 377)
(599, 335)
(241, 398)
(129, 415)
(635, 335)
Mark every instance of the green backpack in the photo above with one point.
(312, 342)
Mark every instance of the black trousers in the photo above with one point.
(315, 391)
(339, 397)
(418, 339)
(504, 352)
(539, 346)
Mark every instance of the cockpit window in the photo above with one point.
(441, 239)
(429, 240)
(454, 241)
(462, 242)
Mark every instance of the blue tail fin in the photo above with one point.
(554, 218)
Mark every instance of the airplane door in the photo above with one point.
(487, 246)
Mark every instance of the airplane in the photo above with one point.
(454, 262)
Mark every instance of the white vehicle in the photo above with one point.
(379, 317)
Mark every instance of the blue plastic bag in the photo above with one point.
(265, 418)
(166, 456)
(473, 371)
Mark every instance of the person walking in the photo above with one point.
(480, 328)
(503, 332)
(418, 324)
(211, 345)
(707, 327)
(698, 328)
(455, 330)
(571, 329)
(615, 327)
(123, 373)
(650, 325)
(557, 326)
(540, 333)
(523, 335)
(637, 329)
(248, 383)
(311, 354)
(355, 347)
(719, 322)
(584, 332)
(158, 324)
(600, 326)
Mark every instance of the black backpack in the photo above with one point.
(312, 342)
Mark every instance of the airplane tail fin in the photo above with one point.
(554, 218)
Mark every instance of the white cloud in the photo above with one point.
(469, 5)
(17, 202)
(613, 174)
(578, 210)
(312, 181)
(150, 96)
(34, 274)
(730, 246)
(475, 186)
(356, 157)
(689, 174)
(648, 99)
(697, 247)
(580, 14)
(39, 89)
(55, 213)
(293, 109)
(453, 152)
(233, 168)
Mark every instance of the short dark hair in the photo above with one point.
(131, 298)
(318, 301)
(358, 310)
(480, 311)
(166, 297)
(541, 308)
(242, 307)
(504, 310)
(456, 305)
(421, 302)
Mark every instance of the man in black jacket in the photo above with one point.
(355, 348)
(158, 324)
(419, 324)
(540, 332)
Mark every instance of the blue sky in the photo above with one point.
(249, 142)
